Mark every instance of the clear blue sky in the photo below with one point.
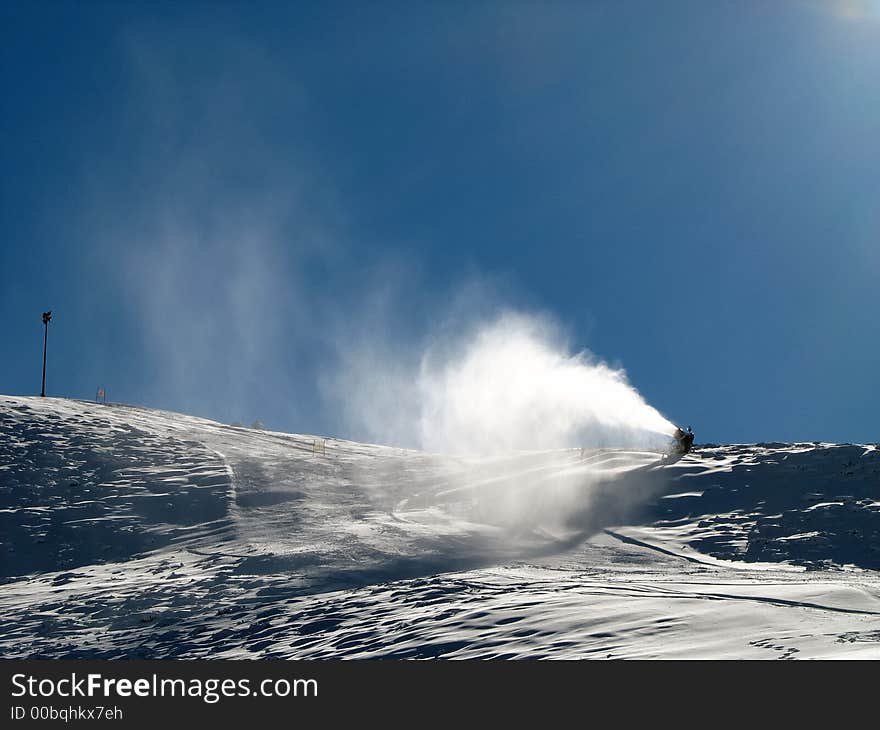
(201, 191)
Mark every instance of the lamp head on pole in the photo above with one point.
(47, 316)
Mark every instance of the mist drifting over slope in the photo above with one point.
(505, 383)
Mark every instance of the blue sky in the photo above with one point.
(214, 198)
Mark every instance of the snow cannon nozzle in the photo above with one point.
(684, 440)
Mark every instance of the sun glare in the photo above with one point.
(855, 9)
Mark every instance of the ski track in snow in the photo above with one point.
(134, 533)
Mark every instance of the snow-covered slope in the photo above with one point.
(128, 532)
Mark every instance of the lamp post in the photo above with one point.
(46, 317)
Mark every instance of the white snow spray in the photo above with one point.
(513, 385)
(503, 384)
(521, 432)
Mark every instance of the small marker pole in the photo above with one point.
(46, 317)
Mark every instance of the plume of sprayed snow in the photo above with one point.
(501, 403)
(513, 385)
(506, 383)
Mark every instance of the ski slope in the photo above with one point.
(135, 533)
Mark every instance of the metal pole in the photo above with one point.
(45, 342)
(46, 317)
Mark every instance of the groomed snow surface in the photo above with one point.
(134, 533)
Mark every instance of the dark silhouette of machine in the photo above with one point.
(683, 440)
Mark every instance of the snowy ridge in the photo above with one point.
(128, 532)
